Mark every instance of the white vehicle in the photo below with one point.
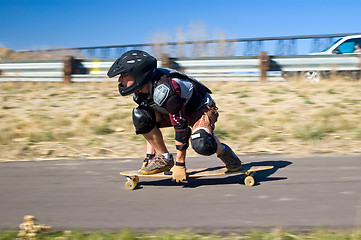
(345, 45)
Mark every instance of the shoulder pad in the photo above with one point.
(161, 93)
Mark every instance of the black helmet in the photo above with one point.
(137, 64)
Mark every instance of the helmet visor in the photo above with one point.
(116, 69)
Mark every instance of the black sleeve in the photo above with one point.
(174, 104)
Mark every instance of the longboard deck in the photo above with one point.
(133, 176)
(201, 172)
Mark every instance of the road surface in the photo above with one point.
(299, 193)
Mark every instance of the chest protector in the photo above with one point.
(166, 100)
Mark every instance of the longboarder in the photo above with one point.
(166, 98)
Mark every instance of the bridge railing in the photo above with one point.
(283, 45)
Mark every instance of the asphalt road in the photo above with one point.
(299, 193)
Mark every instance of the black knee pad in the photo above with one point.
(203, 143)
(143, 119)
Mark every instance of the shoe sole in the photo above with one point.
(234, 169)
(155, 170)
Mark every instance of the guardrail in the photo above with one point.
(251, 68)
(30, 70)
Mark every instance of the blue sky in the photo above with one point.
(43, 24)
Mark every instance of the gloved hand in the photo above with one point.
(179, 173)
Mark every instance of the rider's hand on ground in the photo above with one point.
(179, 173)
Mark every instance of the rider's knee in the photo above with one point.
(203, 142)
(143, 119)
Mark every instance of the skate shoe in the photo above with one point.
(158, 164)
(147, 160)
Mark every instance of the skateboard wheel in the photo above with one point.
(135, 179)
(249, 181)
(130, 185)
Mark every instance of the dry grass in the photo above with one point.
(49, 120)
(277, 233)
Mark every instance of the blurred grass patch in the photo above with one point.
(345, 124)
(259, 135)
(7, 107)
(250, 110)
(117, 116)
(102, 129)
(277, 138)
(6, 136)
(309, 102)
(39, 116)
(41, 137)
(351, 101)
(276, 100)
(240, 126)
(50, 136)
(332, 91)
(94, 142)
(358, 134)
(242, 95)
(312, 132)
(137, 138)
(275, 92)
(221, 132)
(62, 122)
(327, 113)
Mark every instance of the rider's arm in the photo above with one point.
(178, 117)
(182, 134)
(181, 154)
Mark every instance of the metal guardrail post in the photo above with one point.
(165, 60)
(264, 65)
(68, 69)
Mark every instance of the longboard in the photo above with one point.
(133, 176)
